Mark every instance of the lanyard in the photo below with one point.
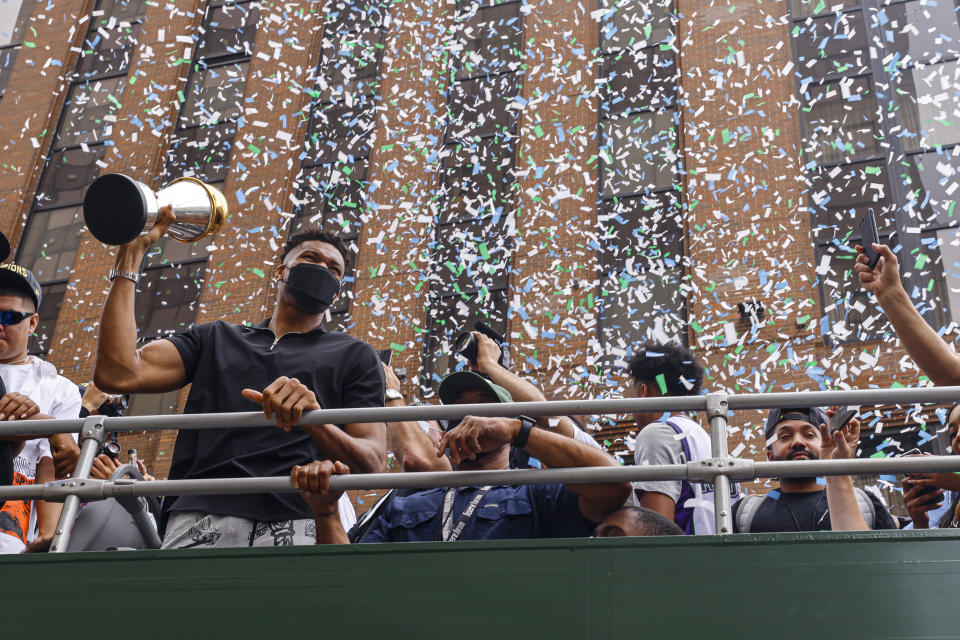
(449, 532)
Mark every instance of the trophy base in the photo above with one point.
(115, 209)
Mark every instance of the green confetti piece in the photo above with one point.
(921, 261)
(252, 147)
(257, 272)
(180, 96)
(538, 131)
(726, 135)
(878, 454)
(397, 347)
(484, 252)
(662, 383)
(872, 171)
(897, 385)
(696, 326)
(30, 45)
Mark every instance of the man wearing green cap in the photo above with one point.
(478, 513)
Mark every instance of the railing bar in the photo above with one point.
(748, 470)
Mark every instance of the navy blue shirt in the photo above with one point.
(505, 513)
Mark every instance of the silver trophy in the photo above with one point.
(117, 208)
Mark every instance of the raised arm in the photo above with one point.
(845, 514)
(521, 390)
(478, 435)
(121, 367)
(932, 354)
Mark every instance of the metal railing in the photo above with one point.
(721, 469)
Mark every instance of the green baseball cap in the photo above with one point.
(456, 383)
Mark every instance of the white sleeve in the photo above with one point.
(66, 403)
(581, 436)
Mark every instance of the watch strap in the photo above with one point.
(119, 273)
(526, 426)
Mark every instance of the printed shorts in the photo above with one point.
(198, 530)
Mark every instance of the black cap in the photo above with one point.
(813, 415)
(13, 275)
(4, 247)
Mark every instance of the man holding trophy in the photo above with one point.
(283, 366)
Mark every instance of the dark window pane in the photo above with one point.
(339, 130)
(354, 15)
(202, 153)
(851, 311)
(121, 10)
(641, 234)
(638, 79)
(14, 18)
(471, 256)
(479, 107)
(107, 52)
(349, 63)
(332, 197)
(49, 246)
(7, 59)
(451, 316)
(831, 45)
(90, 112)
(936, 269)
(48, 312)
(842, 121)
(215, 95)
(167, 298)
(639, 306)
(931, 180)
(168, 251)
(67, 175)
(229, 30)
(638, 152)
(921, 29)
(491, 38)
(927, 97)
(840, 196)
(477, 180)
(631, 23)
(804, 8)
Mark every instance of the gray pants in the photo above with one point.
(195, 529)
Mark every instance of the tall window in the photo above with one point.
(878, 87)
(642, 290)
(471, 251)
(81, 141)
(14, 29)
(332, 185)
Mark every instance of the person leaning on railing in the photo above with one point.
(476, 513)
(32, 390)
(284, 366)
(659, 369)
(933, 499)
(803, 504)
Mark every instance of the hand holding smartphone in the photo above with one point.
(841, 416)
(870, 236)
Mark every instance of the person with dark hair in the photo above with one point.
(804, 504)
(471, 512)
(933, 499)
(32, 390)
(636, 521)
(284, 366)
(659, 369)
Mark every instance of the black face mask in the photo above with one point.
(312, 287)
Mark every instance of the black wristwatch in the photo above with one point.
(526, 426)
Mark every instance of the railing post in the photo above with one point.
(92, 436)
(717, 407)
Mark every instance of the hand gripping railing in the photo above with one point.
(721, 468)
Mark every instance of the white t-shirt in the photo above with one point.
(57, 397)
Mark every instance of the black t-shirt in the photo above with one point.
(803, 512)
(221, 360)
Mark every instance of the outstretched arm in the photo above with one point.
(478, 435)
(121, 367)
(845, 514)
(932, 354)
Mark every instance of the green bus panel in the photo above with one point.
(825, 585)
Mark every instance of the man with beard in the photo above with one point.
(804, 504)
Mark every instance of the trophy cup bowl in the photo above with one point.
(117, 208)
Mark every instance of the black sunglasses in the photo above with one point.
(8, 318)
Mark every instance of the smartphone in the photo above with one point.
(841, 416)
(385, 356)
(869, 236)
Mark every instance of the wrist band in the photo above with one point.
(526, 426)
(129, 275)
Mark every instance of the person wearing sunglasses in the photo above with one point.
(32, 390)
